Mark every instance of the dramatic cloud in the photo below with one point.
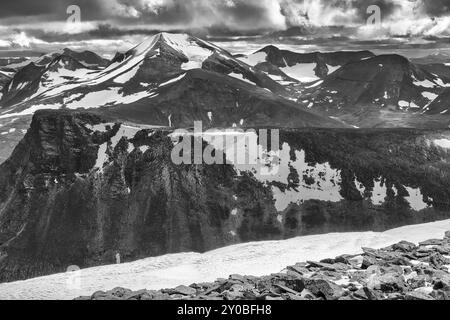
(234, 14)
(45, 20)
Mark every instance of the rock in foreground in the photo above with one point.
(403, 271)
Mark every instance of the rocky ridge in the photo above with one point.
(114, 188)
(403, 271)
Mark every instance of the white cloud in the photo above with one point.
(22, 40)
(5, 44)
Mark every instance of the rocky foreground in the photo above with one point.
(403, 271)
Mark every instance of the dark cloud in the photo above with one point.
(15, 8)
(436, 8)
(53, 9)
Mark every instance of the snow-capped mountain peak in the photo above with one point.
(192, 50)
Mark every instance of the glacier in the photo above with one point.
(256, 258)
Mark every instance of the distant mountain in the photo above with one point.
(34, 79)
(437, 58)
(78, 189)
(22, 84)
(439, 69)
(385, 82)
(7, 61)
(304, 67)
(438, 64)
(87, 58)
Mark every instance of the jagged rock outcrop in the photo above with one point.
(78, 190)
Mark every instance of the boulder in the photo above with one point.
(404, 246)
(389, 283)
(183, 290)
(324, 289)
(431, 242)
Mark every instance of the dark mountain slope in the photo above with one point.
(219, 101)
(371, 88)
(441, 105)
(22, 85)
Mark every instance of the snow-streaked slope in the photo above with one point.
(58, 81)
(194, 49)
(385, 81)
(258, 259)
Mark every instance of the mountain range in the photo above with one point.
(86, 144)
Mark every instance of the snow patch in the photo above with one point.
(443, 143)
(304, 72)
(98, 99)
(425, 83)
(240, 77)
(332, 69)
(403, 104)
(173, 80)
(254, 59)
(429, 95)
(415, 199)
(379, 192)
(318, 83)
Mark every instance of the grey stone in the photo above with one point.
(183, 290)
(324, 288)
(404, 246)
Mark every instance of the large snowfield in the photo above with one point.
(257, 259)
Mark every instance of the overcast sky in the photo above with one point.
(117, 23)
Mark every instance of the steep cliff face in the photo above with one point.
(77, 190)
